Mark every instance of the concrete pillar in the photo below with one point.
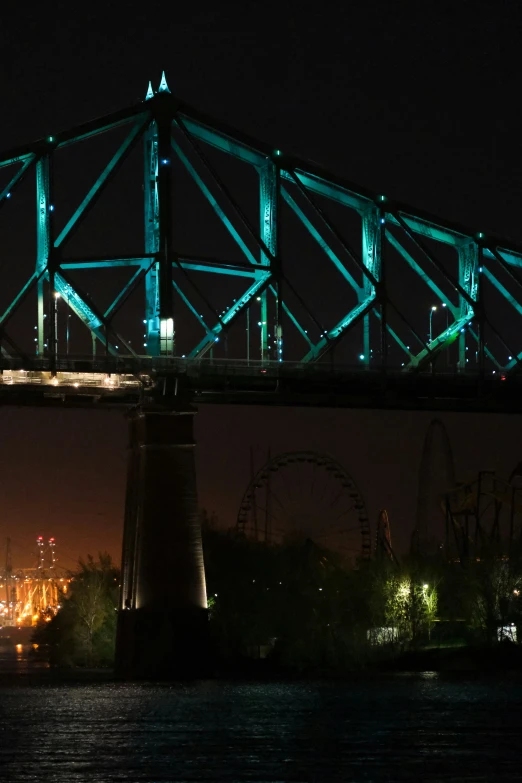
(162, 622)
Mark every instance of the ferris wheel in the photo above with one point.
(306, 495)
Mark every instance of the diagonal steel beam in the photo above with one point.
(424, 250)
(511, 257)
(191, 307)
(109, 171)
(502, 290)
(17, 350)
(214, 204)
(482, 313)
(321, 328)
(323, 244)
(329, 225)
(22, 158)
(9, 189)
(505, 266)
(394, 335)
(194, 266)
(443, 340)
(327, 342)
(197, 290)
(421, 273)
(227, 319)
(87, 313)
(204, 162)
(222, 142)
(406, 321)
(124, 294)
(19, 298)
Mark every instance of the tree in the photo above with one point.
(83, 632)
(410, 605)
(495, 583)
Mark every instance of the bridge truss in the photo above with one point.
(311, 274)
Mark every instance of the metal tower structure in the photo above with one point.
(483, 516)
(436, 475)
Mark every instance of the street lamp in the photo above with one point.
(57, 297)
(433, 308)
(446, 353)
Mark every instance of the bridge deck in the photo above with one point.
(110, 382)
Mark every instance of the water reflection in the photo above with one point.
(19, 658)
(419, 728)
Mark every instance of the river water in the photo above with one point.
(422, 727)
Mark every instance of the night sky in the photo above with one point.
(418, 100)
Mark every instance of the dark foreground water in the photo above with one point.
(386, 728)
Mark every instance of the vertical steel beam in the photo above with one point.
(166, 312)
(371, 256)
(269, 188)
(43, 241)
(158, 233)
(468, 280)
(382, 293)
(152, 316)
(480, 311)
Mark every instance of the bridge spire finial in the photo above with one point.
(164, 87)
(150, 92)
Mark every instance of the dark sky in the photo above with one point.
(418, 100)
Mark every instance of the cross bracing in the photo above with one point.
(313, 268)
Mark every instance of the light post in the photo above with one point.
(446, 352)
(67, 332)
(433, 308)
(57, 297)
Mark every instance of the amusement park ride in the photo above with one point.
(29, 596)
(304, 494)
(308, 495)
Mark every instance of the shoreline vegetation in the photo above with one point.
(297, 611)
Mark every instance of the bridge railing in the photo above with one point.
(140, 369)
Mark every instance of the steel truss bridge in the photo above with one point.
(255, 277)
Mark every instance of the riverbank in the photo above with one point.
(22, 664)
(505, 657)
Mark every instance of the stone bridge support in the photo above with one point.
(162, 621)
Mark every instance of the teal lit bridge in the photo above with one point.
(155, 260)
(311, 289)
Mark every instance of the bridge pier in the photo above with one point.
(162, 620)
